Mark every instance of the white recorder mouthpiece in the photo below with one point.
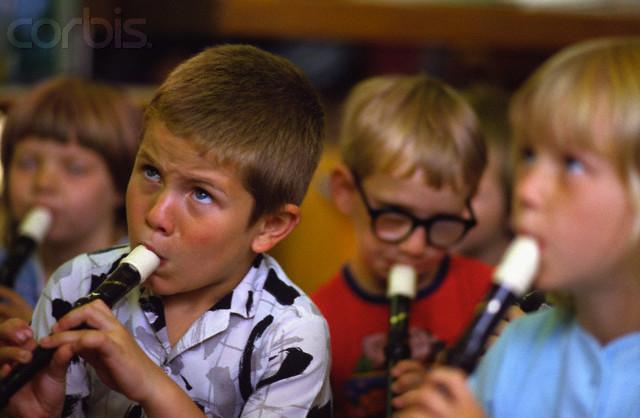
(36, 224)
(143, 260)
(402, 281)
(518, 266)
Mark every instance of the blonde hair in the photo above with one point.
(258, 112)
(402, 124)
(587, 96)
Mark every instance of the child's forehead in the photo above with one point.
(69, 145)
(563, 142)
(161, 146)
(394, 185)
(412, 177)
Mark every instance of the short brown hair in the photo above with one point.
(96, 115)
(402, 123)
(257, 110)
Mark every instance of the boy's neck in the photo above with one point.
(183, 309)
(611, 312)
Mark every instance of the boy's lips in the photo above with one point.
(51, 208)
(527, 233)
(153, 249)
(420, 266)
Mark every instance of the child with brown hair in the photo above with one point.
(230, 142)
(68, 146)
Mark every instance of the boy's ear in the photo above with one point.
(274, 227)
(342, 187)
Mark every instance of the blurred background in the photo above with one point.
(134, 44)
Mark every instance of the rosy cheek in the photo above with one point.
(203, 237)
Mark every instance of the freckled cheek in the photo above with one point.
(209, 237)
(16, 195)
(369, 243)
(205, 241)
(136, 213)
(21, 175)
(432, 260)
(137, 201)
(18, 200)
(18, 182)
(377, 254)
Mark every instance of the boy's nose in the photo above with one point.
(159, 215)
(46, 176)
(415, 244)
(532, 187)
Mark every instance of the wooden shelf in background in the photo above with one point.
(501, 26)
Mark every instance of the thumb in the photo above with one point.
(60, 362)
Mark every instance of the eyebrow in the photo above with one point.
(381, 204)
(194, 178)
(142, 152)
(390, 206)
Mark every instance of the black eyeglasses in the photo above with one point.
(393, 225)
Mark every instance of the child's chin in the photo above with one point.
(157, 286)
(548, 283)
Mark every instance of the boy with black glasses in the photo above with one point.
(413, 156)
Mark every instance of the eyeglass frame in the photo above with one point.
(375, 213)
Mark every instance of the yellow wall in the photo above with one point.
(323, 239)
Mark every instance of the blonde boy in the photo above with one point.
(577, 130)
(412, 157)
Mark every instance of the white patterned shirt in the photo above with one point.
(261, 351)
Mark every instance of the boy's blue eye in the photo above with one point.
(150, 172)
(527, 155)
(27, 162)
(77, 168)
(573, 164)
(202, 196)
